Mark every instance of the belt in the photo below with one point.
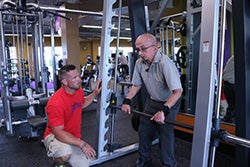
(161, 102)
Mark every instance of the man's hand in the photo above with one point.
(126, 108)
(126, 104)
(98, 87)
(88, 151)
(158, 117)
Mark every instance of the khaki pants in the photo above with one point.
(56, 149)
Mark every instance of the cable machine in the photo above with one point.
(23, 20)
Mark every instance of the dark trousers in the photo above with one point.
(229, 91)
(149, 129)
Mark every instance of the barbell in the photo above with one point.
(150, 116)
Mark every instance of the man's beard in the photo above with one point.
(75, 87)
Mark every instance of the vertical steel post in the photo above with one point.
(52, 38)
(192, 43)
(104, 65)
(5, 87)
(41, 55)
(216, 121)
(35, 56)
(206, 83)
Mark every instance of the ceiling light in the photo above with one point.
(91, 26)
(100, 27)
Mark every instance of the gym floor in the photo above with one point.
(23, 152)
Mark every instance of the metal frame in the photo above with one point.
(104, 99)
(205, 87)
(192, 57)
(105, 52)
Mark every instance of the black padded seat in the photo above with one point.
(37, 121)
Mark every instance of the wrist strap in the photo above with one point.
(127, 101)
(166, 110)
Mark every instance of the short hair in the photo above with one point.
(63, 71)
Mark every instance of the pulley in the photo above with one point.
(181, 57)
(183, 29)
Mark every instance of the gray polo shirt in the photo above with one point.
(228, 74)
(160, 78)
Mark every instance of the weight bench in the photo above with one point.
(124, 84)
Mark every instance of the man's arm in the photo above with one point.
(66, 137)
(173, 98)
(133, 91)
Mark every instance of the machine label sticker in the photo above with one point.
(205, 46)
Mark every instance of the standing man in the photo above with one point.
(162, 81)
(123, 65)
(62, 137)
(122, 59)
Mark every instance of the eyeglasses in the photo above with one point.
(143, 49)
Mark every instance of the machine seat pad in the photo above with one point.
(37, 121)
